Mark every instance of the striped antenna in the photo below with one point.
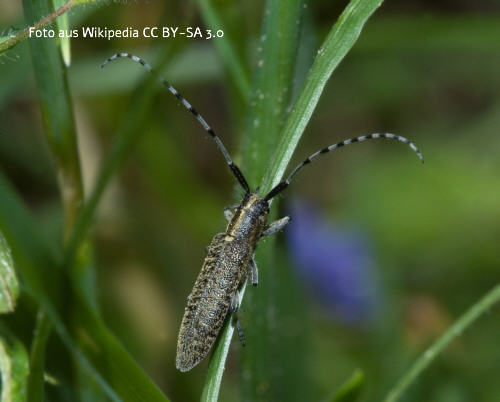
(284, 184)
(236, 171)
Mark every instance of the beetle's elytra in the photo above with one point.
(215, 290)
(230, 255)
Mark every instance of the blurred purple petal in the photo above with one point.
(338, 264)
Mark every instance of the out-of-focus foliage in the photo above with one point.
(429, 234)
(350, 389)
(14, 369)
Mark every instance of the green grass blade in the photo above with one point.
(482, 306)
(37, 358)
(62, 23)
(217, 362)
(339, 41)
(9, 286)
(109, 362)
(226, 49)
(60, 131)
(272, 85)
(57, 112)
(266, 368)
(268, 103)
(216, 367)
(351, 389)
(271, 92)
(14, 369)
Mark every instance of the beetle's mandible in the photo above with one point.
(230, 255)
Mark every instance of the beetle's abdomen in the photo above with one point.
(222, 272)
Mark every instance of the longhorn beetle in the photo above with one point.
(230, 255)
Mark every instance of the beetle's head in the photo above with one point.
(254, 202)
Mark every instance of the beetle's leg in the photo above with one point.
(234, 307)
(253, 272)
(276, 226)
(228, 213)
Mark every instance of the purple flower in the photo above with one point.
(337, 264)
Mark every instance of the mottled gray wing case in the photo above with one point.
(210, 299)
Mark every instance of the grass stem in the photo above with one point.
(424, 361)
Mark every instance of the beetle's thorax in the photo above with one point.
(250, 218)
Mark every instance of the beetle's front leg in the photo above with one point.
(228, 213)
(233, 308)
(275, 226)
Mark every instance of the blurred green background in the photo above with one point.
(426, 70)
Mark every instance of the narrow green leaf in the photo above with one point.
(226, 48)
(9, 287)
(217, 365)
(218, 360)
(272, 84)
(57, 112)
(482, 306)
(271, 87)
(60, 131)
(63, 24)
(36, 378)
(271, 92)
(14, 368)
(339, 41)
(351, 389)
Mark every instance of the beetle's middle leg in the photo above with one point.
(233, 308)
(275, 226)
